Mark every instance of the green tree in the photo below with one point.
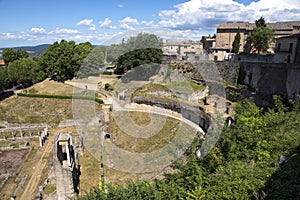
(92, 64)
(260, 38)
(236, 43)
(10, 55)
(4, 80)
(141, 41)
(25, 71)
(260, 22)
(63, 60)
(136, 58)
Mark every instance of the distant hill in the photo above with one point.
(33, 51)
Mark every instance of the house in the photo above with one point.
(174, 50)
(288, 49)
(227, 31)
(208, 42)
(2, 63)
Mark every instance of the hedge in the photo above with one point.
(50, 96)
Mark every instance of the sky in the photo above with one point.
(33, 22)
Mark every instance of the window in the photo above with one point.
(278, 47)
(291, 48)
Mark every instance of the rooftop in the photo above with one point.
(249, 26)
(2, 63)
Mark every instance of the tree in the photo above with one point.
(25, 71)
(261, 37)
(4, 81)
(260, 22)
(92, 64)
(141, 41)
(63, 60)
(10, 55)
(236, 43)
(136, 58)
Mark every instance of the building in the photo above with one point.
(173, 50)
(288, 49)
(227, 31)
(208, 42)
(2, 63)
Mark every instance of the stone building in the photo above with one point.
(227, 31)
(288, 49)
(174, 50)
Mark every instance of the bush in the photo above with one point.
(107, 73)
(61, 97)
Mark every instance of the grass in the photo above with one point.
(51, 87)
(143, 145)
(140, 118)
(149, 87)
(49, 189)
(89, 167)
(35, 110)
(185, 87)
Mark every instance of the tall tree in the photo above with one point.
(63, 60)
(4, 81)
(25, 71)
(10, 55)
(260, 22)
(261, 37)
(141, 41)
(236, 43)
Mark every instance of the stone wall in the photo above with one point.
(194, 114)
(271, 78)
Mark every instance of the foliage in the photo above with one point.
(108, 87)
(61, 97)
(4, 80)
(63, 60)
(261, 37)
(141, 41)
(236, 42)
(92, 64)
(24, 71)
(260, 22)
(136, 58)
(242, 165)
(9, 55)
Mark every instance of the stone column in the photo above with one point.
(21, 133)
(12, 134)
(68, 155)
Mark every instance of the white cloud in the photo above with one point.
(38, 30)
(129, 20)
(124, 23)
(64, 31)
(87, 23)
(107, 24)
(204, 16)
(148, 24)
(120, 5)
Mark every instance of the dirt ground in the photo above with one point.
(12, 160)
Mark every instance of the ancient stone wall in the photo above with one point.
(272, 78)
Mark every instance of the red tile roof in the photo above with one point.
(2, 63)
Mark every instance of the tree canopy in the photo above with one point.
(141, 41)
(261, 37)
(10, 55)
(24, 71)
(63, 60)
(136, 58)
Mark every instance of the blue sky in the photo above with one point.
(32, 22)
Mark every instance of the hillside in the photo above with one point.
(33, 51)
